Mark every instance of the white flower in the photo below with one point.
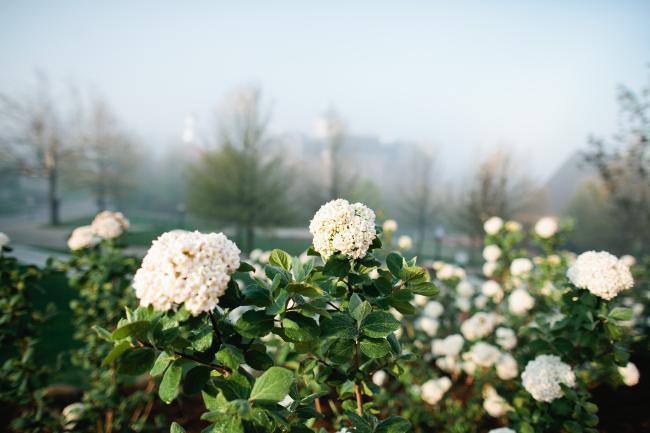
(484, 354)
(428, 325)
(507, 367)
(390, 226)
(630, 374)
(489, 268)
(433, 309)
(513, 226)
(379, 377)
(341, 226)
(546, 227)
(493, 225)
(521, 266)
(448, 364)
(265, 256)
(83, 237)
(446, 272)
(463, 304)
(520, 302)
(628, 260)
(502, 430)
(432, 390)
(478, 326)
(465, 289)
(495, 405)
(255, 254)
(468, 366)
(491, 253)
(448, 346)
(481, 301)
(374, 274)
(4, 240)
(543, 376)
(493, 290)
(601, 273)
(71, 414)
(420, 300)
(404, 242)
(506, 338)
(188, 268)
(109, 225)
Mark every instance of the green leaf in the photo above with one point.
(425, 289)
(135, 362)
(168, 389)
(379, 324)
(620, 313)
(281, 259)
(245, 267)
(375, 347)
(196, 379)
(230, 356)
(393, 424)
(305, 289)
(401, 301)
(298, 328)
(116, 352)
(361, 311)
(394, 262)
(130, 329)
(336, 266)
(176, 428)
(338, 325)
(273, 385)
(258, 360)
(161, 364)
(258, 296)
(395, 346)
(341, 351)
(254, 323)
(102, 332)
(413, 274)
(524, 427)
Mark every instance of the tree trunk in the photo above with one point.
(53, 197)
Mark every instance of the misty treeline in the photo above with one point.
(58, 146)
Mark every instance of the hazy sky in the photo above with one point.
(538, 76)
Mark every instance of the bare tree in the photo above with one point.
(497, 189)
(243, 181)
(332, 128)
(33, 130)
(623, 164)
(418, 203)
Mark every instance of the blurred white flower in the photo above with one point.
(379, 377)
(491, 253)
(463, 304)
(83, 237)
(478, 326)
(255, 254)
(433, 309)
(189, 268)
(629, 374)
(109, 225)
(489, 268)
(493, 290)
(628, 260)
(420, 300)
(71, 414)
(601, 273)
(520, 302)
(543, 376)
(546, 227)
(432, 390)
(405, 242)
(521, 267)
(4, 241)
(481, 301)
(341, 226)
(507, 367)
(495, 405)
(449, 364)
(428, 325)
(484, 354)
(513, 226)
(374, 274)
(465, 289)
(390, 226)
(448, 346)
(493, 225)
(506, 338)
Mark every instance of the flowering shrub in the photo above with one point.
(294, 349)
(22, 377)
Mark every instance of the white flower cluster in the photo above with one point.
(405, 243)
(630, 374)
(506, 367)
(492, 290)
(520, 302)
(493, 225)
(521, 267)
(447, 271)
(432, 390)
(479, 325)
(546, 227)
(495, 405)
(4, 240)
(543, 376)
(483, 354)
(428, 321)
(109, 225)
(601, 273)
(448, 346)
(83, 237)
(506, 338)
(341, 226)
(106, 225)
(390, 226)
(491, 253)
(188, 268)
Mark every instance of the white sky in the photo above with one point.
(463, 76)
